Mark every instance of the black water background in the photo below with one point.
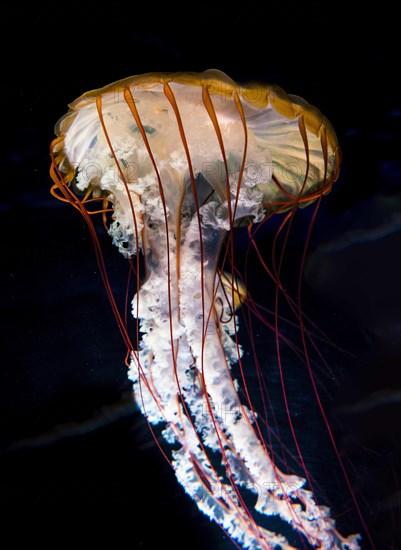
(62, 357)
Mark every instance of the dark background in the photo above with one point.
(77, 461)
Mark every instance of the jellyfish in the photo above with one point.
(174, 164)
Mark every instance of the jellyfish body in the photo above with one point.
(182, 159)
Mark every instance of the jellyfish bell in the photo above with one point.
(178, 161)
